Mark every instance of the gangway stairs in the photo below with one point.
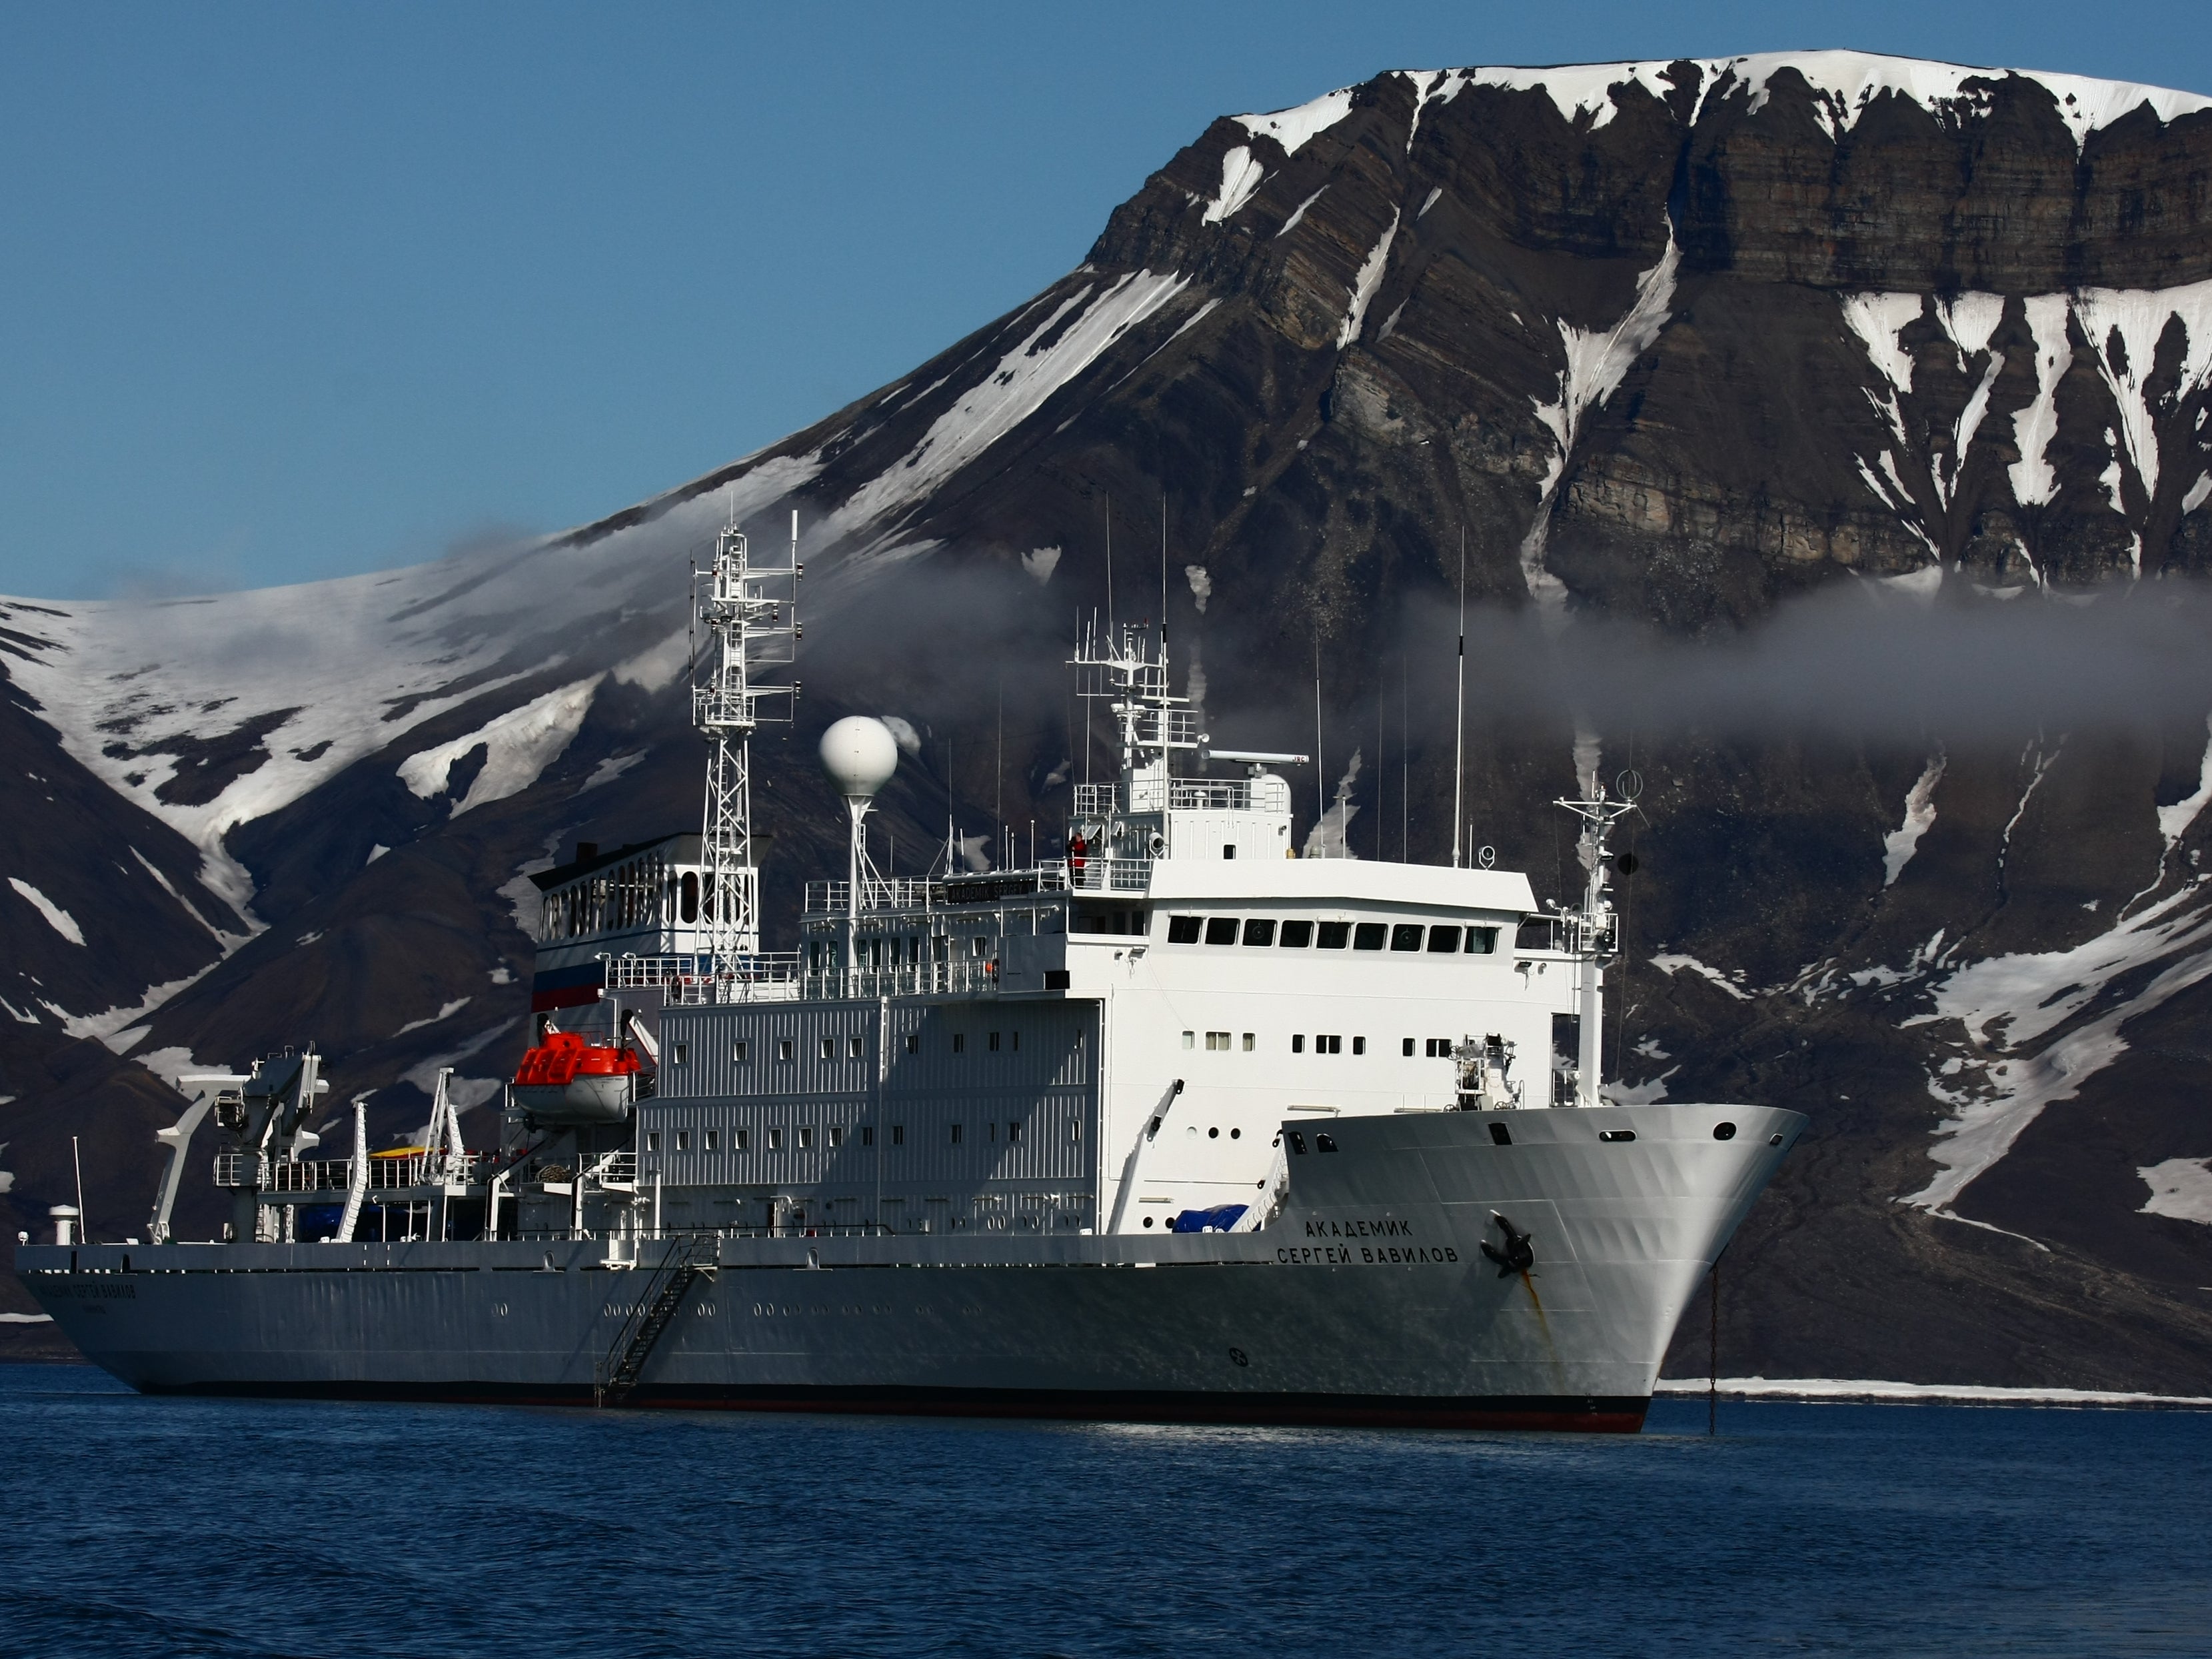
(616, 1374)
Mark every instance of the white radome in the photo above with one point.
(859, 755)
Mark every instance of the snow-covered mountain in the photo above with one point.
(1674, 346)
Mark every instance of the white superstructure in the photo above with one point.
(1108, 1041)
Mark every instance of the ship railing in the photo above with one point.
(1205, 795)
(966, 976)
(335, 1175)
(1106, 875)
(877, 893)
(1098, 800)
(762, 976)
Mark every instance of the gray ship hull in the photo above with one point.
(1368, 1299)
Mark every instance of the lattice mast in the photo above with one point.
(1128, 670)
(746, 617)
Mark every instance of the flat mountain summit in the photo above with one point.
(1823, 436)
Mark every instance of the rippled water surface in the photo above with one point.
(136, 1526)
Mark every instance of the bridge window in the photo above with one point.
(1221, 930)
(1297, 935)
(1482, 941)
(1368, 936)
(1182, 930)
(1443, 940)
(1334, 935)
(690, 897)
(1405, 935)
(1259, 930)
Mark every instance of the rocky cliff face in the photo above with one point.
(1828, 438)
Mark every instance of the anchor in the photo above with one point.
(1517, 1257)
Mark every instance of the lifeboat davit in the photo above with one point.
(566, 1079)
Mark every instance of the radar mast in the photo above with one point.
(748, 614)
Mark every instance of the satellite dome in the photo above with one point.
(859, 755)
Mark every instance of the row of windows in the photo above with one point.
(856, 1047)
(741, 1142)
(1221, 1042)
(894, 951)
(1439, 939)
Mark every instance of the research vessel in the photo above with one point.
(1172, 1125)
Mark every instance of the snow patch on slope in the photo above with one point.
(1597, 362)
(2035, 428)
(2174, 821)
(1241, 174)
(2124, 327)
(1364, 284)
(1844, 85)
(1010, 394)
(1293, 128)
(57, 918)
(2180, 1188)
(1898, 846)
(2008, 1006)
(521, 743)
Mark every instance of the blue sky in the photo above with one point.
(295, 291)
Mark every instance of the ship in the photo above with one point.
(1173, 1125)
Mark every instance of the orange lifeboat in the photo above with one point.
(567, 1080)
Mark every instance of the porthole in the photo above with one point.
(1616, 1134)
(1774, 1140)
(1148, 1221)
(1724, 1132)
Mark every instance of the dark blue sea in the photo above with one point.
(137, 1526)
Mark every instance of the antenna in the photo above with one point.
(1163, 572)
(1320, 775)
(1381, 706)
(1459, 716)
(1109, 565)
